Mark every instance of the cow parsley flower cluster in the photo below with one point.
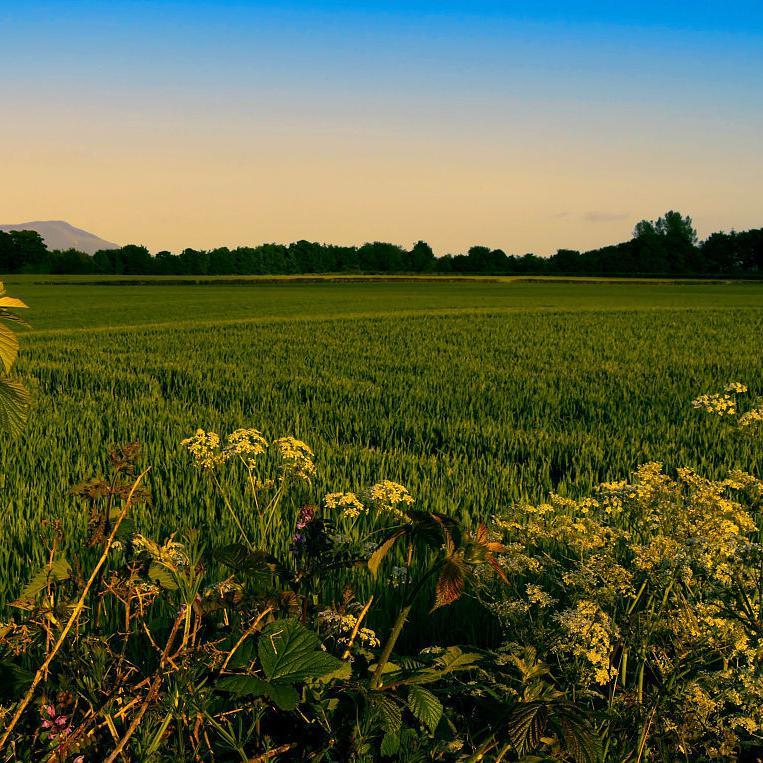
(347, 503)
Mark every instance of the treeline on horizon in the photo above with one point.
(666, 246)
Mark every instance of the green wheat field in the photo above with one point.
(474, 394)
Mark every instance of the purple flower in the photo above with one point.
(56, 724)
(305, 516)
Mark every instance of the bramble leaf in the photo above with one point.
(450, 583)
(426, 708)
(283, 695)
(14, 404)
(9, 347)
(163, 577)
(390, 744)
(50, 573)
(290, 652)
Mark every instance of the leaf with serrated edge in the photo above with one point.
(425, 707)
(390, 745)
(290, 652)
(162, 576)
(9, 347)
(51, 573)
(282, 694)
(14, 405)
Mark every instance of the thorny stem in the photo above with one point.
(398, 627)
(248, 632)
(150, 695)
(355, 630)
(74, 615)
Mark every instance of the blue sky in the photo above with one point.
(526, 126)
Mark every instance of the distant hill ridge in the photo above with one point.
(58, 234)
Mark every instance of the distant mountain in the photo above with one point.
(60, 235)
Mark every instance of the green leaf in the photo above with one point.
(126, 530)
(525, 726)
(426, 708)
(50, 573)
(390, 745)
(453, 658)
(251, 563)
(9, 348)
(376, 558)
(14, 405)
(281, 694)
(14, 680)
(576, 732)
(390, 712)
(435, 529)
(284, 695)
(243, 686)
(127, 527)
(162, 577)
(243, 656)
(290, 652)
(342, 673)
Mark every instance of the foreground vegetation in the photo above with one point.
(631, 622)
(253, 598)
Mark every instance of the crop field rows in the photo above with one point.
(475, 396)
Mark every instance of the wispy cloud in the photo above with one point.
(604, 217)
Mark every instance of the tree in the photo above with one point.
(221, 262)
(421, 258)
(136, 260)
(71, 261)
(667, 245)
(193, 262)
(644, 229)
(23, 251)
(566, 261)
(378, 256)
(674, 225)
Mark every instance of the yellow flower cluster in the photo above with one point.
(753, 418)
(600, 576)
(343, 625)
(348, 503)
(588, 635)
(246, 444)
(538, 596)
(749, 423)
(391, 496)
(204, 447)
(722, 403)
(296, 458)
(170, 554)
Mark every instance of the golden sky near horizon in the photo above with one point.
(455, 145)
